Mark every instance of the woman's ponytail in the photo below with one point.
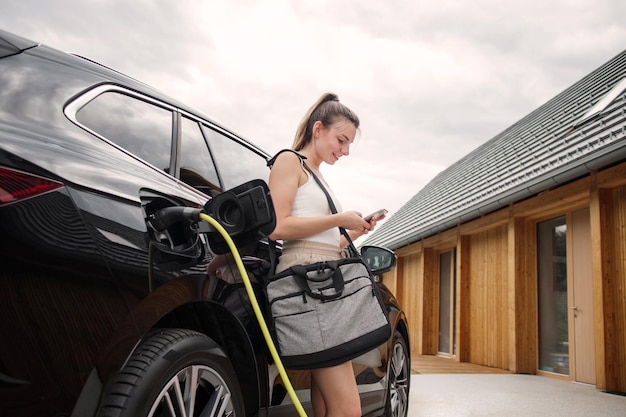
(327, 109)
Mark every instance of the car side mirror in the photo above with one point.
(378, 259)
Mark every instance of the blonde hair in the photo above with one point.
(327, 109)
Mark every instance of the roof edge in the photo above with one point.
(606, 157)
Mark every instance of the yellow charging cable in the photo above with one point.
(257, 312)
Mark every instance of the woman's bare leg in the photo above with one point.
(334, 392)
(317, 401)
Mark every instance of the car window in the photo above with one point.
(236, 162)
(196, 166)
(141, 128)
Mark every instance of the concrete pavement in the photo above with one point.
(508, 395)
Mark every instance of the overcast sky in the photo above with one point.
(431, 80)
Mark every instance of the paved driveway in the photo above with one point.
(508, 395)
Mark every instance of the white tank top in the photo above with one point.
(311, 201)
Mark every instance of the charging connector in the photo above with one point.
(164, 218)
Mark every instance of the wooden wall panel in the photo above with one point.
(411, 298)
(522, 296)
(616, 301)
(430, 308)
(463, 299)
(489, 300)
(606, 214)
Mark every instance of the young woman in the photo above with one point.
(310, 232)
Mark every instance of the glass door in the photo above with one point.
(447, 304)
(553, 302)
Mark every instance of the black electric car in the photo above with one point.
(103, 314)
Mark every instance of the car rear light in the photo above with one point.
(18, 185)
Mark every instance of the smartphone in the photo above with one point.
(375, 215)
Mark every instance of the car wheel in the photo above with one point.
(175, 372)
(399, 379)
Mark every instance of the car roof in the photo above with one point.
(11, 44)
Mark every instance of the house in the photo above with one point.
(514, 257)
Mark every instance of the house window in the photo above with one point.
(603, 103)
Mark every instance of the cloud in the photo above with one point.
(431, 81)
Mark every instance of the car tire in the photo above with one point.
(171, 371)
(398, 378)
